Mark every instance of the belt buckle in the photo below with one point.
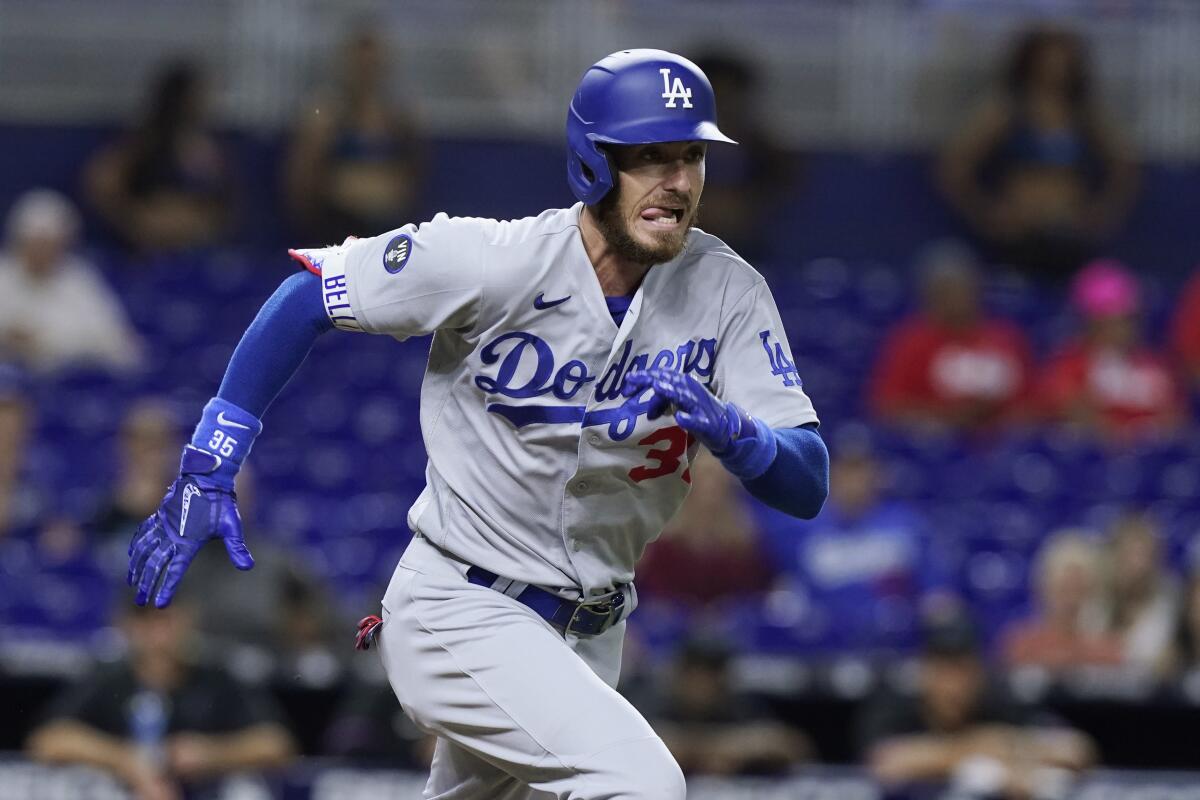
(599, 611)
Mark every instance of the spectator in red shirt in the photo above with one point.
(1108, 380)
(950, 364)
(1185, 330)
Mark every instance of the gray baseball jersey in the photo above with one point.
(539, 468)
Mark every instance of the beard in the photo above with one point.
(616, 232)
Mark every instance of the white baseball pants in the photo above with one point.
(519, 711)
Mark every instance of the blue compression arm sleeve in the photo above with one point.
(275, 344)
(797, 481)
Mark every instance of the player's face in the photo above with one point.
(647, 216)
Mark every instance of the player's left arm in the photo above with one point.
(415, 280)
(756, 418)
(270, 351)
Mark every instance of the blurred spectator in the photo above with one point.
(18, 503)
(1107, 380)
(867, 563)
(1036, 171)
(1184, 656)
(1068, 629)
(148, 448)
(712, 728)
(1185, 331)
(742, 184)
(961, 728)
(1143, 592)
(369, 724)
(159, 720)
(56, 310)
(278, 621)
(166, 185)
(710, 551)
(357, 161)
(950, 364)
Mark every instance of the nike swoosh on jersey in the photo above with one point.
(222, 421)
(542, 305)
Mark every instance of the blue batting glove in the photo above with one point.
(194, 511)
(744, 444)
(200, 505)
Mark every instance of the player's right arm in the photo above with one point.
(408, 282)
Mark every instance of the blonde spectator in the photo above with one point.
(1144, 594)
(1184, 656)
(1068, 629)
(56, 310)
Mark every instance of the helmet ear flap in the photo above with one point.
(591, 171)
(609, 182)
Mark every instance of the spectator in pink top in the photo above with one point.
(1108, 380)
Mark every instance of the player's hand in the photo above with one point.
(715, 424)
(195, 510)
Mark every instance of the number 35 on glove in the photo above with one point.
(744, 444)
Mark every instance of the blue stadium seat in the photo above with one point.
(341, 459)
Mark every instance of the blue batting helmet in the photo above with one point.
(634, 97)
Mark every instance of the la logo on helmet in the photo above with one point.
(674, 91)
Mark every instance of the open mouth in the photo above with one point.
(663, 216)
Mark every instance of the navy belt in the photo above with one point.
(584, 618)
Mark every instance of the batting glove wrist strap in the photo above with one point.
(220, 443)
(752, 449)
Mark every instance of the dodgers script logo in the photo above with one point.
(528, 368)
(674, 91)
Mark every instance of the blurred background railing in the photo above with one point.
(861, 74)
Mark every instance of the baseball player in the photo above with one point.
(579, 359)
